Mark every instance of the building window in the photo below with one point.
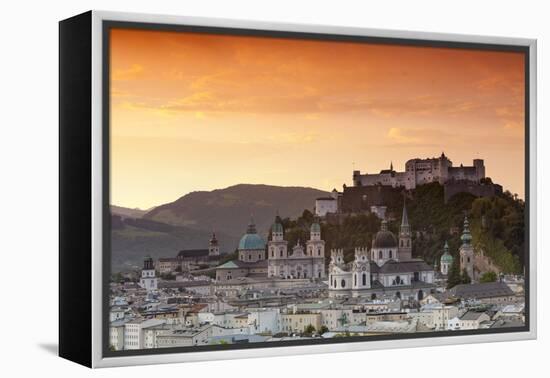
(364, 279)
(380, 255)
(343, 283)
(391, 254)
(355, 279)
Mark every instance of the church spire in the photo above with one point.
(405, 217)
(391, 165)
(251, 229)
(466, 236)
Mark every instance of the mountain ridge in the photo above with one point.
(229, 209)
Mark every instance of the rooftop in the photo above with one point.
(482, 290)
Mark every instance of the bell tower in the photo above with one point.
(213, 246)
(467, 251)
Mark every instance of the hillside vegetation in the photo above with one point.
(500, 234)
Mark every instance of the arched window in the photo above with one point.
(343, 283)
(364, 279)
(334, 283)
(355, 279)
(391, 254)
(398, 295)
(319, 274)
(380, 255)
(259, 256)
(281, 252)
(272, 252)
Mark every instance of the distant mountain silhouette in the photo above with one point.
(229, 210)
(133, 238)
(127, 212)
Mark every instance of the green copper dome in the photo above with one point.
(446, 257)
(277, 225)
(315, 227)
(251, 240)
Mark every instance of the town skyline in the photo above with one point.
(206, 112)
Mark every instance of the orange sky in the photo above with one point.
(201, 111)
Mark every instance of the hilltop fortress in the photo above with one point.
(371, 192)
(422, 171)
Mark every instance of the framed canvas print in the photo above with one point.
(231, 189)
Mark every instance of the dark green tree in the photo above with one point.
(454, 278)
(488, 277)
(323, 329)
(466, 279)
(310, 330)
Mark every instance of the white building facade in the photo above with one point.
(304, 262)
(387, 269)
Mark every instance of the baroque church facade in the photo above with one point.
(305, 261)
(388, 269)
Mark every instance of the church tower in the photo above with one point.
(405, 239)
(213, 246)
(361, 270)
(148, 279)
(277, 251)
(467, 251)
(315, 248)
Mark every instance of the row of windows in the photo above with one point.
(281, 252)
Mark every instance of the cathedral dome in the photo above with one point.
(384, 238)
(251, 240)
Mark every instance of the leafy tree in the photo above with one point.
(454, 278)
(310, 330)
(488, 277)
(465, 277)
(323, 329)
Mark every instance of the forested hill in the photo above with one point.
(501, 233)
